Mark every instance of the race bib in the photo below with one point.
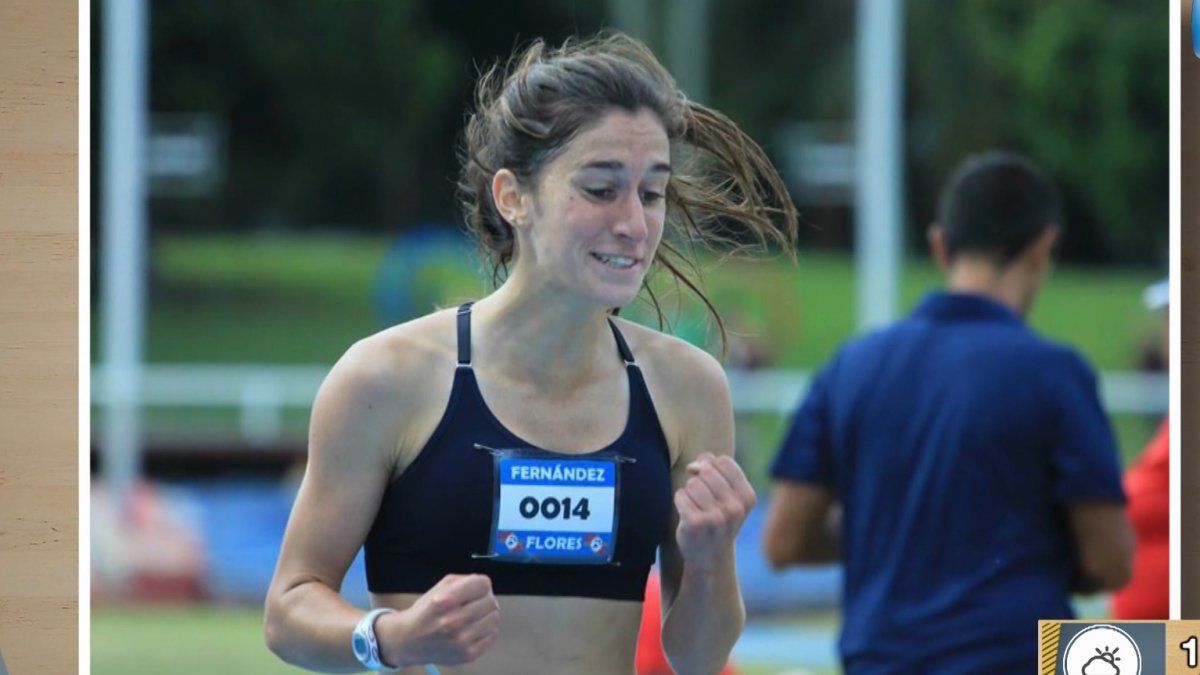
(554, 509)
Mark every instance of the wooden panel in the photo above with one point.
(39, 539)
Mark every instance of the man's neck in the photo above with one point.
(978, 276)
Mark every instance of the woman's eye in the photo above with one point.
(651, 197)
(600, 193)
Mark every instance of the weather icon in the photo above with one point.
(1102, 649)
(1103, 663)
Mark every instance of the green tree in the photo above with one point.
(327, 106)
(1080, 85)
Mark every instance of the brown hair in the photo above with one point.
(723, 195)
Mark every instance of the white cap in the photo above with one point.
(1157, 295)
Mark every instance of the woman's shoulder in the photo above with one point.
(383, 367)
(688, 385)
(387, 390)
(677, 362)
(415, 342)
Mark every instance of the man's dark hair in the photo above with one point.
(996, 204)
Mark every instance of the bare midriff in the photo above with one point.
(587, 636)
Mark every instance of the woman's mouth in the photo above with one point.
(619, 262)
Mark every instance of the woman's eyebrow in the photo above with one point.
(618, 167)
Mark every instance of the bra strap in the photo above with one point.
(464, 334)
(622, 346)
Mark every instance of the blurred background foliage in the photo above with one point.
(361, 138)
(339, 121)
(1079, 85)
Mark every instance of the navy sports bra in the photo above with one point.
(436, 518)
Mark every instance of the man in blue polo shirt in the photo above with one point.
(960, 465)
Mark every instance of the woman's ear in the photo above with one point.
(507, 196)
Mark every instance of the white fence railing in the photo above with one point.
(262, 393)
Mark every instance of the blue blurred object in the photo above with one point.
(397, 295)
(767, 591)
(787, 646)
(241, 526)
(1196, 27)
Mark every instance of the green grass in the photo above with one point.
(187, 640)
(196, 640)
(199, 639)
(305, 299)
(181, 640)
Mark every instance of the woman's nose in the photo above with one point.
(631, 221)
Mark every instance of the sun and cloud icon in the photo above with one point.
(1103, 663)
(1102, 649)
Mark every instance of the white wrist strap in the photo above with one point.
(364, 644)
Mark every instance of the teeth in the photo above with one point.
(614, 260)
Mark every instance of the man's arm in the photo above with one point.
(803, 520)
(1087, 479)
(1103, 545)
(801, 526)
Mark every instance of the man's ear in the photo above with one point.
(936, 236)
(508, 198)
(1042, 248)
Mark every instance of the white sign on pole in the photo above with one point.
(183, 157)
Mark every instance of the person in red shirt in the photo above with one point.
(1147, 484)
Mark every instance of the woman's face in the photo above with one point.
(598, 209)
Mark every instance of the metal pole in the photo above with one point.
(124, 231)
(878, 190)
(688, 45)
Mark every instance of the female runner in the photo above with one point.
(512, 466)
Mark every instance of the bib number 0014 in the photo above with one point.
(554, 509)
(551, 507)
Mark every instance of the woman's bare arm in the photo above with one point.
(703, 610)
(360, 418)
(350, 455)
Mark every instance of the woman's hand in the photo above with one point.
(712, 506)
(453, 622)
